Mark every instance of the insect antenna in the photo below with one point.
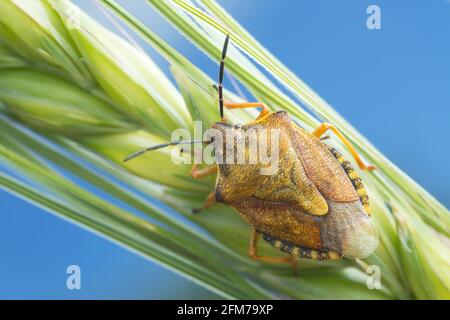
(160, 146)
(221, 72)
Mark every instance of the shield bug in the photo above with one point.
(313, 206)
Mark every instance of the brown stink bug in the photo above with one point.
(314, 206)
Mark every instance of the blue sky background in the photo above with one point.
(391, 84)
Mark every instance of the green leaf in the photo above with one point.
(70, 109)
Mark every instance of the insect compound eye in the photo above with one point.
(238, 126)
(281, 113)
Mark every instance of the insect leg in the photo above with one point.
(320, 130)
(253, 253)
(198, 173)
(243, 105)
(210, 200)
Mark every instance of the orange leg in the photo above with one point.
(198, 173)
(210, 200)
(319, 131)
(253, 253)
(243, 105)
